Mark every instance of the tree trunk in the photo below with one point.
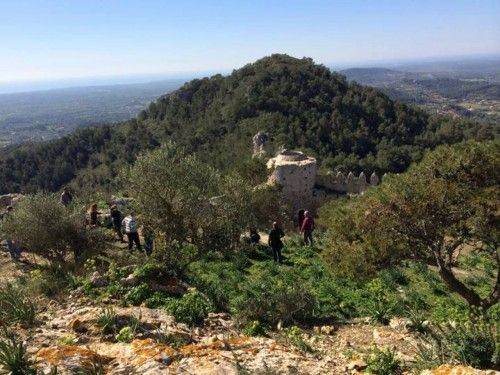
(458, 287)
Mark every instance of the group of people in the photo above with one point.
(118, 222)
(305, 224)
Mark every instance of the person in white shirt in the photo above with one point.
(131, 226)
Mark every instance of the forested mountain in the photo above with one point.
(300, 104)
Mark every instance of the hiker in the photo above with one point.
(307, 228)
(130, 225)
(254, 236)
(300, 218)
(116, 221)
(14, 249)
(149, 238)
(93, 213)
(7, 212)
(275, 242)
(66, 197)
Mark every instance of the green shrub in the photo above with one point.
(156, 300)
(125, 335)
(192, 308)
(138, 294)
(152, 272)
(50, 230)
(475, 342)
(295, 337)
(273, 293)
(382, 362)
(49, 280)
(16, 306)
(217, 279)
(13, 357)
(107, 321)
(170, 339)
(255, 328)
(67, 340)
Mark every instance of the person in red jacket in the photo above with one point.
(307, 228)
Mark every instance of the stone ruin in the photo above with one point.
(302, 187)
(350, 184)
(260, 143)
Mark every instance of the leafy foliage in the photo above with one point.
(450, 199)
(47, 228)
(192, 308)
(382, 362)
(16, 306)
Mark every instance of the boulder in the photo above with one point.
(98, 280)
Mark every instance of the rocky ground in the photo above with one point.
(68, 337)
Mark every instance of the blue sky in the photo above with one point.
(48, 39)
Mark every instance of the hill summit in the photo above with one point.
(300, 104)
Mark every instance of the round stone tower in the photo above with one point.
(296, 173)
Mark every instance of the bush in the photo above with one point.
(475, 342)
(49, 280)
(16, 306)
(13, 357)
(107, 321)
(192, 308)
(217, 279)
(295, 337)
(382, 362)
(272, 293)
(45, 227)
(254, 328)
(138, 294)
(125, 335)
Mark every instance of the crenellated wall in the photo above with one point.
(351, 184)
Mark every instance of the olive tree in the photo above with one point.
(449, 201)
(43, 226)
(184, 200)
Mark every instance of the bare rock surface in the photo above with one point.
(215, 348)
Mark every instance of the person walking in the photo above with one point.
(149, 240)
(307, 228)
(300, 218)
(130, 225)
(116, 221)
(66, 197)
(275, 242)
(93, 214)
(14, 249)
(254, 236)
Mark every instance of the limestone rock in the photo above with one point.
(130, 280)
(98, 280)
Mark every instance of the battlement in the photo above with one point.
(349, 184)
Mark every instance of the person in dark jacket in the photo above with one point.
(66, 197)
(93, 214)
(254, 236)
(275, 242)
(300, 218)
(307, 228)
(116, 221)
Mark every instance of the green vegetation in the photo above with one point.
(16, 306)
(382, 361)
(13, 357)
(448, 201)
(300, 104)
(47, 228)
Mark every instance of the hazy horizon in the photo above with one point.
(24, 86)
(50, 40)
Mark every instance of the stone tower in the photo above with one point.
(295, 172)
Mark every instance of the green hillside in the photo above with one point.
(299, 103)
